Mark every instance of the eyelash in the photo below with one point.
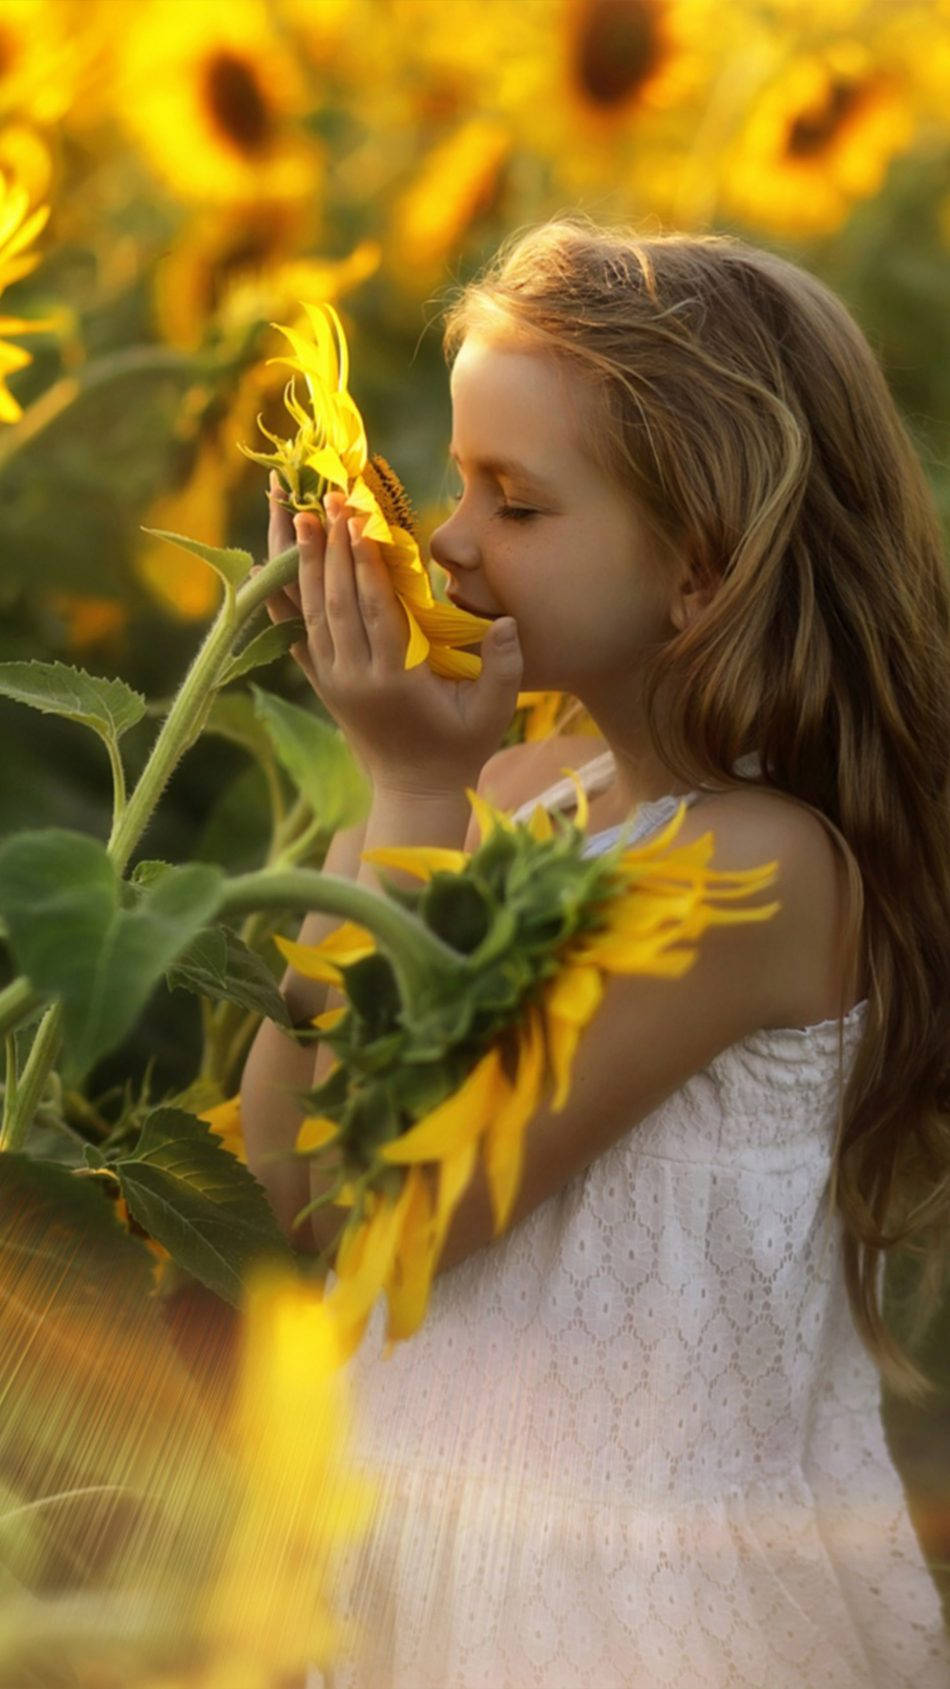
(507, 512)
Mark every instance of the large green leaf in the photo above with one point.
(230, 562)
(318, 760)
(199, 1201)
(62, 901)
(218, 964)
(109, 707)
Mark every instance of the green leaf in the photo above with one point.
(62, 900)
(318, 760)
(199, 1201)
(61, 1228)
(109, 707)
(230, 562)
(218, 964)
(233, 716)
(275, 641)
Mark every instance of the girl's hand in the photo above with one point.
(413, 731)
(285, 605)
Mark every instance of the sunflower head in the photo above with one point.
(389, 493)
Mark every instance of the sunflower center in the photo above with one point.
(8, 51)
(236, 102)
(389, 492)
(813, 131)
(618, 49)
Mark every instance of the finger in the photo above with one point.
(329, 597)
(382, 615)
(280, 528)
(313, 546)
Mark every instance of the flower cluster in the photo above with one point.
(420, 1091)
(329, 449)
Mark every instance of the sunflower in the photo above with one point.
(212, 97)
(291, 1503)
(329, 449)
(232, 271)
(458, 182)
(18, 227)
(182, 584)
(818, 140)
(612, 84)
(416, 1099)
(41, 60)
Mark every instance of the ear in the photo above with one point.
(690, 599)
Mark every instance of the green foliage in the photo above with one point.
(275, 641)
(70, 934)
(230, 562)
(196, 1199)
(217, 964)
(318, 760)
(54, 1219)
(109, 707)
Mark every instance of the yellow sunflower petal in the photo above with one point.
(487, 816)
(421, 860)
(454, 665)
(364, 502)
(540, 826)
(504, 1140)
(457, 1120)
(315, 1131)
(362, 1275)
(348, 942)
(569, 1002)
(329, 464)
(329, 1018)
(454, 1179)
(417, 649)
(410, 1282)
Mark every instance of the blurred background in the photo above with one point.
(207, 164)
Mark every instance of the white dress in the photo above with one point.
(637, 1441)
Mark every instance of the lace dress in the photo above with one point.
(638, 1441)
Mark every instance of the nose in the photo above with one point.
(453, 545)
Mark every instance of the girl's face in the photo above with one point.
(540, 533)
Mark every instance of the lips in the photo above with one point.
(460, 604)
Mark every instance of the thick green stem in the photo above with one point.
(176, 735)
(178, 730)
(420, 958)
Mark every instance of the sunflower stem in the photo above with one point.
(420, 959)
(29, 1089)
(17, 1002)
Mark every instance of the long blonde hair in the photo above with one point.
(744, 410)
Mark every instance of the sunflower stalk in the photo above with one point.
(421, 961)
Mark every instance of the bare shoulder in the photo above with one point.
(752, 827)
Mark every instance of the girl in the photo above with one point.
(637, 1441)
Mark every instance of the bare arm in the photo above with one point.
(277, 1067)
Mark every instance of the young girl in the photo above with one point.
(638, 1440)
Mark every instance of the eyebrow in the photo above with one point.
(508, 466)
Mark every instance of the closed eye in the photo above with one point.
(508, 512)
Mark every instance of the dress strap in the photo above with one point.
(595, 776)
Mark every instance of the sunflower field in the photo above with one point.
(178, 179)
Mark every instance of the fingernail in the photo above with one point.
(354, 527)
(302, 529)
